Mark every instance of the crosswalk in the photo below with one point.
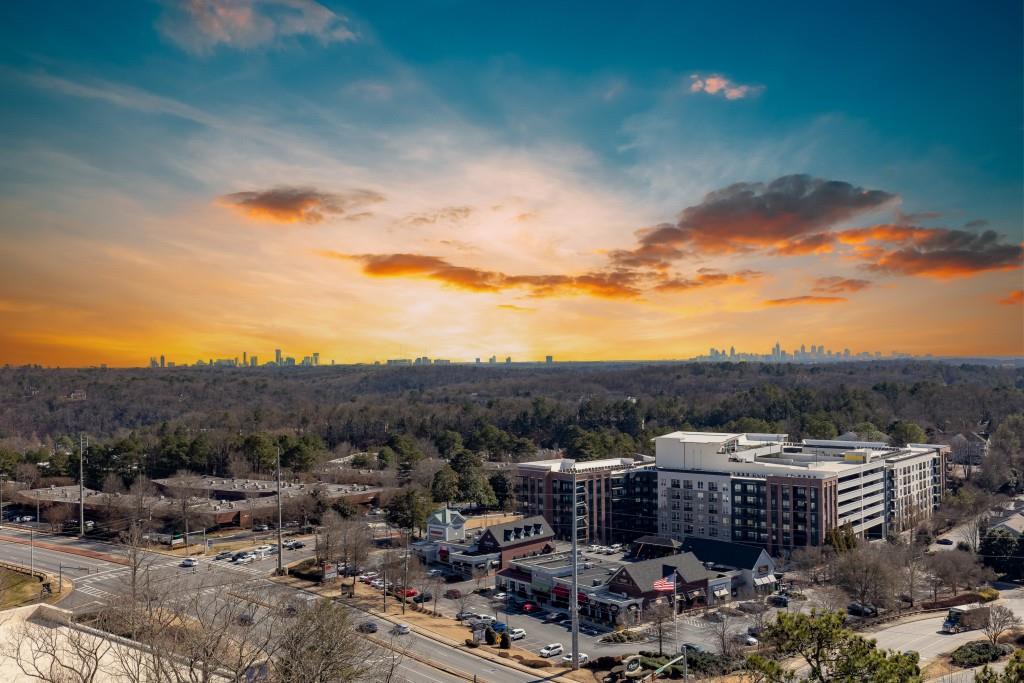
(95, 585)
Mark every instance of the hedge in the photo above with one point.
(976, 654)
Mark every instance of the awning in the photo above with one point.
(721, 592)
(694, 594)
(764, 580)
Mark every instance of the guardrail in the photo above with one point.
(22, 569)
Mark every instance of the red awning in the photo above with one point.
(561, 591)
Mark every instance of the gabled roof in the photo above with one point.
(736, 555)
(645, 573)
(527, 530)
(447, 517)
(1014, 524)
(659, 541)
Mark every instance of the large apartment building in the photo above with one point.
(620, 494)
(762, 489)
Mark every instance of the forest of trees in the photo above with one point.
(441, 423)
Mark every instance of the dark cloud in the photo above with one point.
(838, 285)
(805, 299)
(976, 223)
(747, 216)
(939, 252)
(300, 204)
(818, 243)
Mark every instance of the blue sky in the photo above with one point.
(558, 130)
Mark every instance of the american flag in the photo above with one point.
(666, 584)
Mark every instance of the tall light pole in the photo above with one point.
(3, 478)
(280, 535)
(81, 485)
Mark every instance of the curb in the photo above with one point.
(94, 554)
(458, 673)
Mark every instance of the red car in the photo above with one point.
(407, 592)
(529, 607)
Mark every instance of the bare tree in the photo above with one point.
(810, 562)
(912, 564)
(329, 537)
(1000, 620)
(112, 489)
(867, 574)
(48, 653)
(725, 632)
(56, 515)
(140, 495)
(956, 568)
(972, 530)
(659, 618)
(304, 655)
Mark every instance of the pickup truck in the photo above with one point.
(965, 618)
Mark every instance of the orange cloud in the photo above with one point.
(707, 277)
(299, 204)
(446, 214)
(819, 243)
(1014, 298)
(838, 285)
(806, 299)
(617, 284)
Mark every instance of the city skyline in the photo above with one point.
(609, 182)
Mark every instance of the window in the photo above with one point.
(687, 484)
(700, 531)
(688, 528)
(714, 531)
(675, 483)
(700, 484)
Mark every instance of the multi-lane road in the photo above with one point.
(97, 581)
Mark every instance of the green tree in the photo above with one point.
(1000, 550)
(819, 426)
(407, 451)
(409, 508)
(901, 433)
(866, 431)
(445, 486)
(1013, 673)
(506, 640)
(386, 458)
(504, 491)
(448, 443)
(831, 651)
(474, 487)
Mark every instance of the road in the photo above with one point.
(98, 581)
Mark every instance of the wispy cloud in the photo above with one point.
(805, 299)
(716, 84)
(838, 285)
(300, 204)
(199, 27)
(446, 214)
(707, 277)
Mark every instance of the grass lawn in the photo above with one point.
(17, 588)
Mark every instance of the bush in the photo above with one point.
(988, 594)
(604, 663)
(952, 601)
(963, 546)
(490, 636)
(471, 643)
(506, 641)
(976, 654)
(307, 571)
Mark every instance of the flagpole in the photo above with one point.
(675, 630)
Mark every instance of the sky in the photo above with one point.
(590, 180)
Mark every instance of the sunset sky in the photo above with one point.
(591, 180)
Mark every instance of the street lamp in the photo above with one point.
(3, 478)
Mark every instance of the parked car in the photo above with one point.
(465, 616)
(298, 544)
(945, 541)
(261, 527)
(453, 594)
(692, 647)
(744, 638)
(261, 549)
(754, 630)
(568, 658)
(551, 650)
(434, 572)
(400, 630)
(517, 633)
(423, 597)
(778, 600)
(26, 518)
(499, 627)
(367, 627)
(223, 555)
(499, 596)
(190, 562)
(245, 559)
(407, 592)
(528, 607)
(859, 610)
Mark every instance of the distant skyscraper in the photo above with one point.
(245, 359)
(163, 361)
(316, 358)
(549, 360)
(253, 362)
(508, 359)
(152, 362)
(732, 352)
(277, 356)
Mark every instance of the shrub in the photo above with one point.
(952, 601)
(471, 643)
(490, 636)
(962, 545)
(988, 594)
(976, 654)
(506, 641)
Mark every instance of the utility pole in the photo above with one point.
(32, 551)
(280, 542)
(3, 478)
(81, 485)
(574, 598)
(405, 573)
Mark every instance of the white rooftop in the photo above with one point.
(569, 465)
